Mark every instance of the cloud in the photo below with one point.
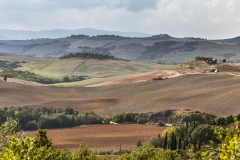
(138, 5)
(208, 18)
(43, 5)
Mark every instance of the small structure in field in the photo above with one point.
(209, 60)
(5, 78)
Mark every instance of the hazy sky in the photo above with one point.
(179, 18)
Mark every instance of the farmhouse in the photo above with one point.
(209, 60)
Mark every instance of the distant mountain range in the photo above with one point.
(61, 33)
(4, 38)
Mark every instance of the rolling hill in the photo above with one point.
(98, 70)
(160, 48)
(212, 93)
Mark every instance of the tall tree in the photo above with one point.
(165, 141)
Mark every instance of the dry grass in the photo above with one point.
(102, 137)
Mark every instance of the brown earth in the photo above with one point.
(102, 137)
(211, 93)
(14, 80)
(164, 74)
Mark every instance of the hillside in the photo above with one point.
(97, 70)
(211, 93)
(160, 48)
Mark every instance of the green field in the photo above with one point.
(98, 70)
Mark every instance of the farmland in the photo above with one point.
(97, 70)
(211, 93)
(102, 137)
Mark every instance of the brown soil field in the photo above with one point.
(141, 77)
(102, 137)
(216, 94)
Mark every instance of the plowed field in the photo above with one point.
(102, 137)
(212, 93)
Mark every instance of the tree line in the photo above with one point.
(49, 117)
(163, 116)
(9, 64)
(87, 56)
(29, 76)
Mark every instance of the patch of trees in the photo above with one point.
(87, 55)
(159, 37)
(108, 37)
(9, 65)
(130, 118)
(29, 76)
(199, 39)
(79, 36)
(49, 117)
(98, 37)
(162, 117)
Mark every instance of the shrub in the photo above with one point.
(160, 123)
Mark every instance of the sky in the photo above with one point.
(211, 19)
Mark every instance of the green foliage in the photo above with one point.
(204, 133)
(29, 76)
(8, 65)
(7, 129)
(196, 116)
(157, 142)
(141, 118)
(84, 154)
(139, 144)
(149, 152)
(46, 118)
(130, 117)
(26, 148)
(42, 139)
(160, 123)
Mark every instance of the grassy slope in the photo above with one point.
(53, 68)
(98, 70)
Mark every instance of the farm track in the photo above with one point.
(78, 66)
(212, 93)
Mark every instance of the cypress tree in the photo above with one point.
(187, 126)
(184, 145)
(194, 144)
(199, 144)
(165, 141)
(182, 135)
(175, 143)
(180, 143)
(172, 145)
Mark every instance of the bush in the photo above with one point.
(160, 123)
